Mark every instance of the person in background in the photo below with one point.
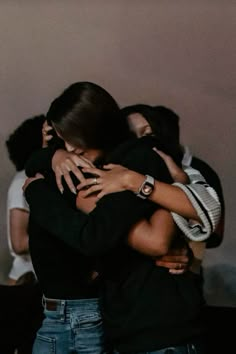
(20, 145)
(170, 120)
(21, 308)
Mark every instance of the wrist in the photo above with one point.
(146, 188)
(133, 181)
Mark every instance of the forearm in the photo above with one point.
(153, 237)
(18, 222)
(40, 161)
(93, 234)
(166, 195)
(149, 236)
(20, 246)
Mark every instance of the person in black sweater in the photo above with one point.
(163, 123)
(144, 308)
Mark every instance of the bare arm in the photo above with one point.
(151, 237)
(18, 230)
(118, 178)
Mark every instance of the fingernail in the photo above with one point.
(61, 190)
(74, 191)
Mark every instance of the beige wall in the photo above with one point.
(177, 53)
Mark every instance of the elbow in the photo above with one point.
(162, 249)
(158, 249)
(19, 248)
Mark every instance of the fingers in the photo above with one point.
(93, 170)
(176, 271)
(69, 182)
(161, 153)
(81, 161)
(58, 175)
(31, 179)
(174, 268)
(63, 163)
(26, 183)
(71, 165)
(48, 137)
(46, 128)
(87, 192)
(167, 158)
(39, 175)
(86, 183)
(170, 265)
(65, 170)
(174, 259)
(109, 166)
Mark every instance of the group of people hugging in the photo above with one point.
(120, 214)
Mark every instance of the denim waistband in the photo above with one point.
(62, 305)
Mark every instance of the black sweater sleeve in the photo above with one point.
(108, 224)
(92, 234)
(40, 161)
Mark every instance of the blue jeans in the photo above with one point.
(72, 326)
(194, 348)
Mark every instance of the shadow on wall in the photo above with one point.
(220, 285)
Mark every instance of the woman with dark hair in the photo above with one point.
(144, 307)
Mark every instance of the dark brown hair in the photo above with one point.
(86, 115)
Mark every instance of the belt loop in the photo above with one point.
(62, 308)
(43, 301)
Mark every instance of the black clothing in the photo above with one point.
(62, 271)
(213, 180)
(144, 307)
(21, 316)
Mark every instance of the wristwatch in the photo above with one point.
(146, 188)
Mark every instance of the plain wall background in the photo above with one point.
(180, 54)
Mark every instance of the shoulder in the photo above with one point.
(138, 155)
(209, 174)
(17, 182)
(15, 195)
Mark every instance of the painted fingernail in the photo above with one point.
(61, 190)
(74, 191)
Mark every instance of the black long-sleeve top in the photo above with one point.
(143, 306)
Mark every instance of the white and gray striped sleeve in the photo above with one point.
(206, 203)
